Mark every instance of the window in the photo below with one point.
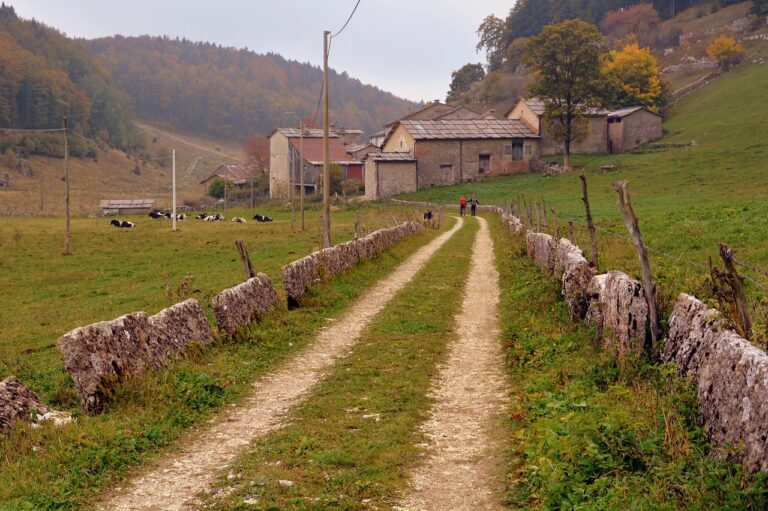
(484, 163)
(515, 150)
(446, 169)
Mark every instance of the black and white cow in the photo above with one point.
(218, 217)
(121, 223)
(428, 215)
(261, 218)
(202, 216)
(238, 220)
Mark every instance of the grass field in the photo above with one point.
(116, 271)
(687, 199)
(64, 468)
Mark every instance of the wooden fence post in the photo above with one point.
(590, 225)
(538, 217)
(529, 216)
(739, 297)
(570, 231)
(247, 265)
(649, 290)
(544, 219)
(554, 221)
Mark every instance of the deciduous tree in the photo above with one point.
(463, 78)
(631, 77)
(726, 51)
(642, 20)
(566, 59)
(491, 32)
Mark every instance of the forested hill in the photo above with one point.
(208, 89)
(44, 76)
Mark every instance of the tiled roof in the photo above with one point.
(379, 156)
(234, 173)
(313, 151)
(468, 129)
(537, 107)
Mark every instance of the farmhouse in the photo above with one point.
(531, 112)
(233, 172)
(631, 127)
(446, 152)
(285, 146)
(609, 132)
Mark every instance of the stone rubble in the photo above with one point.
(541, 247)
(18, 403)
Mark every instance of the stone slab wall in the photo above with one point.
(240, 306)
(731, 376)
(541, 247)
(575, 274)
(101, 355)
(619, 311)
(301, 274)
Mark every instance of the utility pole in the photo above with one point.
(326, 166)
(40, 182)
(291, 181)
(301, 178)
(252, 176)
(226, 175)
(66, 189)
(173, 186)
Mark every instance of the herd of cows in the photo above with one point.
(217, 217)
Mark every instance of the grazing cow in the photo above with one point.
(181, 217)
(156, 214)
(428, 215)
(238, 220)
(202, 216)
(214, 218)
(261, 218)
(121, 223)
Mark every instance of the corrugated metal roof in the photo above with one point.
(390, 156)
(468, 129)
(623, 112)
(308, 133)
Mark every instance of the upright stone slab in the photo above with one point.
(175, 328)
(575, 274)
(541, 247)
(618, 309)
(298, 276)
(244, 304)
(101, 355)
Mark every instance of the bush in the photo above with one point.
(216, 188)
(726, 51)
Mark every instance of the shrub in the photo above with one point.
(726, 51)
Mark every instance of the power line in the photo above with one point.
(347, 22)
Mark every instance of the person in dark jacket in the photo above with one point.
(473, 202)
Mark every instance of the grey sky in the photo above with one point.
(408, 47)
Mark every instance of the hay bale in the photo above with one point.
(244, 304)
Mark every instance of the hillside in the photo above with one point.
(678, 42)
(45, 76)
(207, 89)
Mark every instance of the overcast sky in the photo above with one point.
(407, 47)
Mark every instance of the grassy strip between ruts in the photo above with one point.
(64, 468)
(350, 446)
(589, 434)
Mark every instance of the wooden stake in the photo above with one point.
(538, 217)
(624, 201)
(739, 296)
(590, 224)
(66, 189)
(570, 231)
(554, 221)
(544, 219)
(247, 265)
(529, 210)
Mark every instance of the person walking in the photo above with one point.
(473, 202)
(463, 205)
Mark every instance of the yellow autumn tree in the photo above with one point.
(725, 51)
(631, 77)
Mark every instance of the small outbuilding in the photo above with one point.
(632, 127)
(388, 174)
(126, 206)
(232, 172)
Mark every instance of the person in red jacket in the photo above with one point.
(463, 205)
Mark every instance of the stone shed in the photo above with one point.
(388, 174)
(631, 127)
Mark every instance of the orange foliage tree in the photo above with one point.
(726, 51)
(642, 20)
(631, 76)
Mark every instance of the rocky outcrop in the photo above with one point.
(541, 247)
(240, 306)
(100, 356)
(575, 274)
(618, 311)
(731, 377)
(301, 274)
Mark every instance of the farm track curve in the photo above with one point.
(463, 452)
(177, 480)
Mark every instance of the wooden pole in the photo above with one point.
(226, 176)
(66, 189)
(554, 221)
(40, 184)
(529, 215)
(739, 296)
(326, 165)
(590, 224)
(291, 191)
(173, 186)
(570, 231)
(247, 265)
(544, 219)
(301, 177)
(538, 217)
(649, 290)
(252, 176)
